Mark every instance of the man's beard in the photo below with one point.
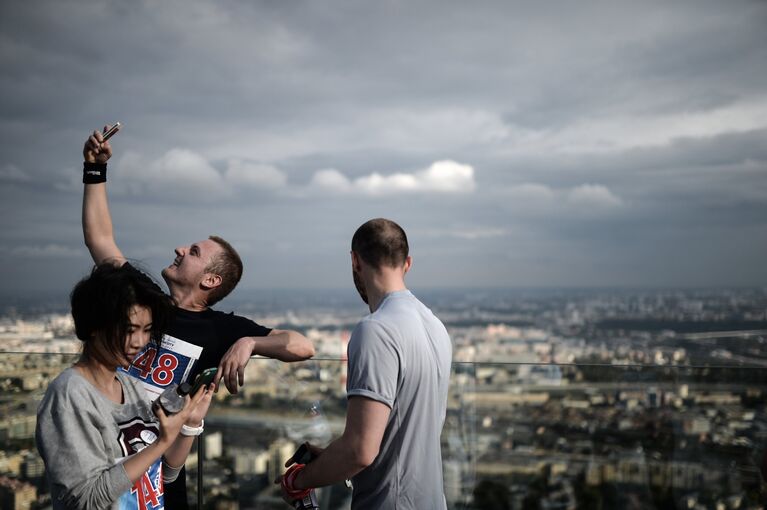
(360, 287)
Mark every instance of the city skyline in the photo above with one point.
(562, 145)
(591, 400)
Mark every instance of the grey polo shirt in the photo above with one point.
(400, 355)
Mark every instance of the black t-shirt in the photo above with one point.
(215, 332)
(212, 330)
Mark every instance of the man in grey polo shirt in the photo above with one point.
(399, 370)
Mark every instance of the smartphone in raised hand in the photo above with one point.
(109, 132)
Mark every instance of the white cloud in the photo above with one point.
(13, 173)
(539, 197)
(184, 173)
(593, 195)
(479, 233)
(254, 175)
(377, 184)
(532, 192)
(44, 251)
(441, 177)
(186, 164)
(620, 132)
(178, 173)
(471, 233)
(330, 180)
(448, 176)
(435, 127)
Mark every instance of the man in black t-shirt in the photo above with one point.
(200, 275)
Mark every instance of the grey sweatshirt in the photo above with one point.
(82, 436)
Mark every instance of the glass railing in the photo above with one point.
(517, 435)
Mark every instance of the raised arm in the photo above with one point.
(97, 220)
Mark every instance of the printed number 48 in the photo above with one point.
(162, 374)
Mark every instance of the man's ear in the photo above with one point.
(211, 281)
(355, 261)
(408, 264)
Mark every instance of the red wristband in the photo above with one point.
(289, 478)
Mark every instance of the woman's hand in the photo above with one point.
(194, 410)
(199, 405)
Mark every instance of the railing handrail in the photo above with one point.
(759, 364)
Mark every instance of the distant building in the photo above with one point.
(697, 425)
(718, 399)
(638, 471)
(214, 445)
(32, 467)
(10, 463)
(251, 462)
(16, 495)
(452, 480)
(18, 427)
(501, 400)
(279, 452)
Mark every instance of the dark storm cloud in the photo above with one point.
(595, 143)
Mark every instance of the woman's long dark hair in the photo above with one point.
(101, 305)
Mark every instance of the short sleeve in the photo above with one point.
(374, 363)
(238, 327)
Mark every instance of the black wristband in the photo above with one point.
(94, 173)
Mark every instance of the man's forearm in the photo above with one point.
(355, 450)
(97, 225)
(284, 345)
(338, 462)
(97, 221)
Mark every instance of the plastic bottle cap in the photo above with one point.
(184, 389)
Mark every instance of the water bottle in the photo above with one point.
(172, 399)
(308, 502)
(319, 430)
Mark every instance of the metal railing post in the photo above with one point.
(200, 457)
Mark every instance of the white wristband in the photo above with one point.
(192, 431)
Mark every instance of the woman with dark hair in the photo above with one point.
(103, 443)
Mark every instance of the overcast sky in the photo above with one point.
(518, 144)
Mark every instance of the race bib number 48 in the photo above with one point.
(169, 364)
